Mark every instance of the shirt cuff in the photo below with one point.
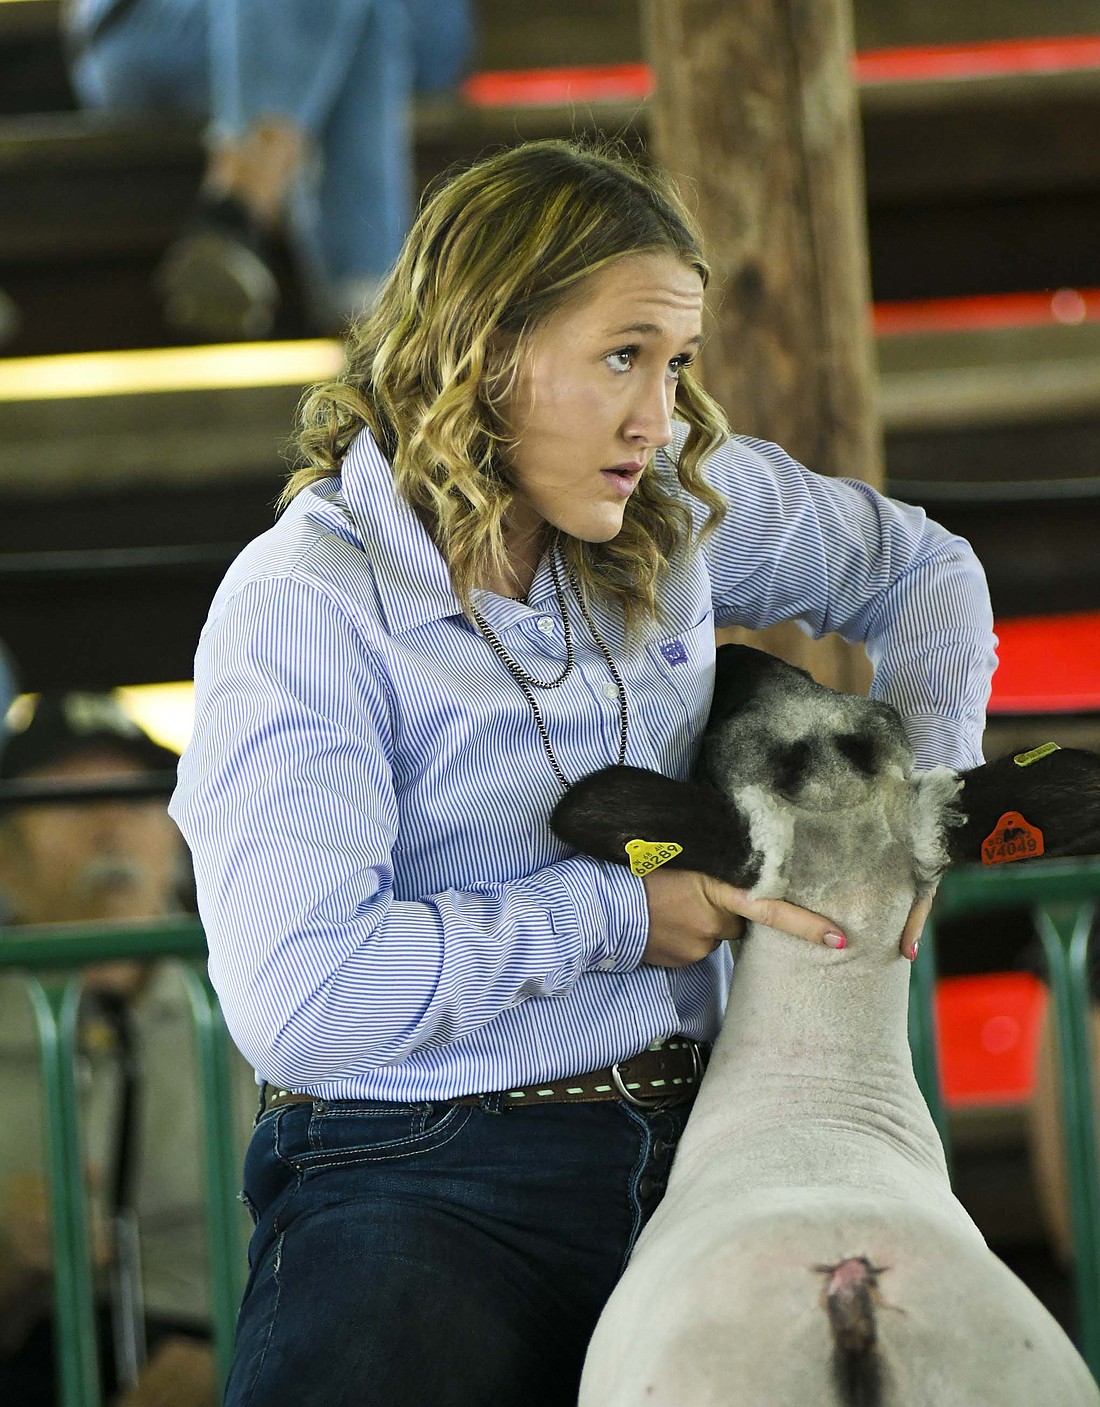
(943, 742)
(610, 906)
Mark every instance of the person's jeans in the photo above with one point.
(420, 1253)
(345, 71)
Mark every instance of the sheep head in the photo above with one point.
(781, 750)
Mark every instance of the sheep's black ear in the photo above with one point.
(1056, 794)
(608, 811)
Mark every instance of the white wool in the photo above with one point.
(771, 829)
(934, 793)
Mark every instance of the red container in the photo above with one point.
(1048, 664)
(988, 1035)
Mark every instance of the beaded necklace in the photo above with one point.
(528, 683)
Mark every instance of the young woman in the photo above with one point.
(519, 521)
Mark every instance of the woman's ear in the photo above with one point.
(634, 817)
(1036, 803)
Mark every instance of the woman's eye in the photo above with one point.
(623, 360)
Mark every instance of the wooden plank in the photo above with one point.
(949, 398)
(990, 137)
(609, 30)
(175, 416)
(199, 436)
(544, 33)
(93, 185)
(886, 23)
(989, 377)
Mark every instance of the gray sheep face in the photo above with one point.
(774, 727)
(825, 782)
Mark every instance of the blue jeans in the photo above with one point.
(407, 1254)
(345, 71)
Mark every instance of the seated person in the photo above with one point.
(110, 860)
(308, 133)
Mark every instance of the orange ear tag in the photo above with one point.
(1012, 838)
(648, 855)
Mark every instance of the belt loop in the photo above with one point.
(490, 1103)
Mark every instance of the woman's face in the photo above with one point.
(595, 399)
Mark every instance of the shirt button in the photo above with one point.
(606, 964)
(546, 625)
(610, 689)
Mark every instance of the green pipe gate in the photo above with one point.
(1061, 894)
(49, 956)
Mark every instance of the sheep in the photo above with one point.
(809, 1251)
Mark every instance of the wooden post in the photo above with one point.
(755, 115)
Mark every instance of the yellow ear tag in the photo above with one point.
(1025, 759)
(648, 855)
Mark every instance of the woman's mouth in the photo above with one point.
(624, 477)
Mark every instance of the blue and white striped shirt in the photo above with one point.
(366, 793)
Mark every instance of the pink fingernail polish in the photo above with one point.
(916, 946)
(836, 940)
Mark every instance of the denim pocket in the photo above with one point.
(342, 1134)
(250, 1206)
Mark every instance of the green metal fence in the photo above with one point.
(1062, 895)
(51, 956)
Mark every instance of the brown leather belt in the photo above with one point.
(667, 1074)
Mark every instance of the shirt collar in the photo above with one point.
(413, 582)
(412, 579)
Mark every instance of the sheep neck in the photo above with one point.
(808, 1002)
(821, 1037)
(804, 1009)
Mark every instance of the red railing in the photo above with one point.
(924, 64)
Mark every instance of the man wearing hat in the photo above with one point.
(115, 859)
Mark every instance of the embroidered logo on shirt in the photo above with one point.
(674, 652)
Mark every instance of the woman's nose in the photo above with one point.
(651, 417)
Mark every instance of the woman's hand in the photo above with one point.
(914, 925)
(691, 913)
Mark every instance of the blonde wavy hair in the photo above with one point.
(494, 251)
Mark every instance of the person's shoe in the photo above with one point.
(215, 280)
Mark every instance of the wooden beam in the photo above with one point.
(755, 115)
